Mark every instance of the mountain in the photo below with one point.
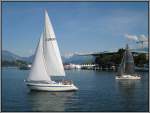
(28, 59)
(9, 56)
(76, 59)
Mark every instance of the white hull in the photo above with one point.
(128, 77)
(52, 87)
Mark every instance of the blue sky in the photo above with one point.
(79, 26)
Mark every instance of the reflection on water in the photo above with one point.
(127, 87)
(128, 90)
(49, 101)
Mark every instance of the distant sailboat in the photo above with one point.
(47, 63)
(126, 68)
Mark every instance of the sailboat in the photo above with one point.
(126, 68)
(47, 63)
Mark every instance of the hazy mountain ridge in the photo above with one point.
(78, 59)
(9, 56)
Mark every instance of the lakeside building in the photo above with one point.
(88, 67)
(79, 66)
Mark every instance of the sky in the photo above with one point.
(78, 26)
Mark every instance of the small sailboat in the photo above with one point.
(126, 68)
(47, 62)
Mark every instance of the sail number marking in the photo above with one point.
(50, 39)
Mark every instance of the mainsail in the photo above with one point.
(51, 50)
(127, 63)
(47, 61)
(129, 68)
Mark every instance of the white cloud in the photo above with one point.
(141, 39)
(131, 37)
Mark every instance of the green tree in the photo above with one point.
(140, 60)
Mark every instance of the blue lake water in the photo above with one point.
(98, 91)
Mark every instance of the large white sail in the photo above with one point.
(51, 51)
(38, 70)
(47, 63)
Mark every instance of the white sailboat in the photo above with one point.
(47, 62)
(126, 69)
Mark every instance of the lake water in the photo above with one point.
(98, 91)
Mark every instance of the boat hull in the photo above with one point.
(52, 87)
(128, 77)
